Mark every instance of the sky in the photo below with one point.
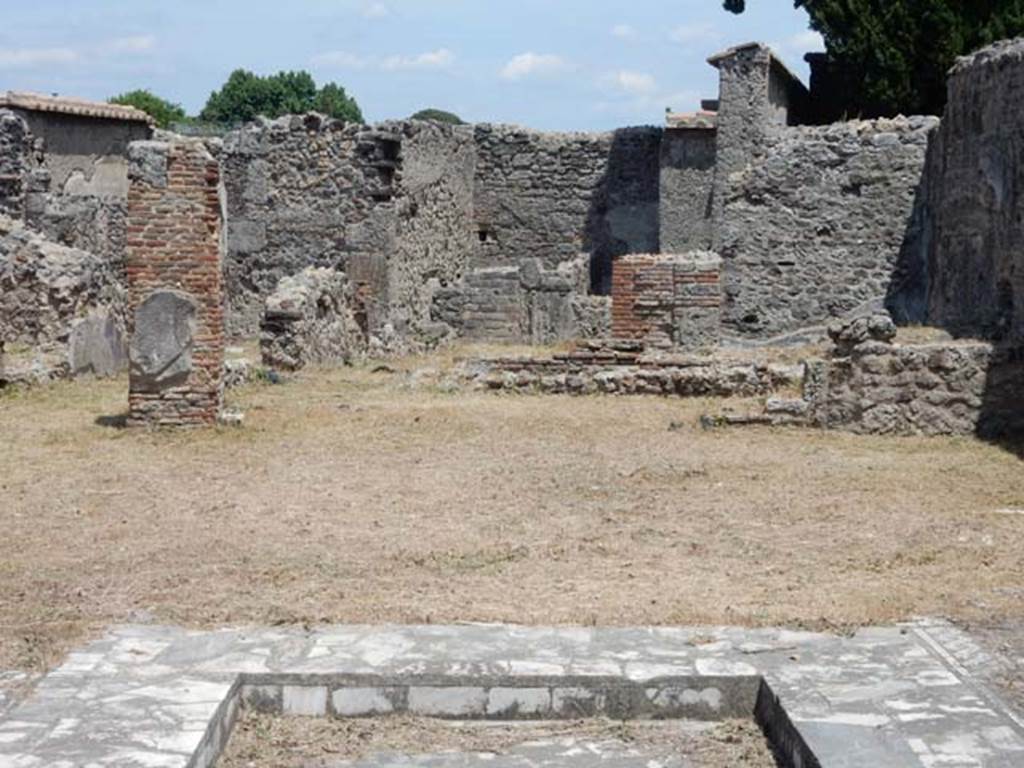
(546, 64)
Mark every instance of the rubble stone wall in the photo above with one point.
(623, 368)
(435, 237)
(687, 190)
(74, 179)
(388, 205)
(553, 196)
(524, 303)
(15, 150)
(175, 284)
(874, 386)
(813, 225)
(973, 252)
(932, 389)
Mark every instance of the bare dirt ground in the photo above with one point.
(261, 741)
(350, 497)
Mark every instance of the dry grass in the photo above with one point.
(348, 497)
(262, 741)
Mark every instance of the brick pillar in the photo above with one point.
(667, 301)
(175, 289)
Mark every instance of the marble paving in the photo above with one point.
(162, 697)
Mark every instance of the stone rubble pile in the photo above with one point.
(311, 319)
(61, 309)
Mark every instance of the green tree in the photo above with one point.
(332, 100)
(246, 95)
(162, 111)
(438, 116)
(892, 56)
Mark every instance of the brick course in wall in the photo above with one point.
(667, 301)
(174, 250)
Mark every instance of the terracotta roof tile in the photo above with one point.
(38, 102)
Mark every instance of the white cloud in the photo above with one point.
(638, 83)
(792, 49)
(438, 59)
(27, 58)
(804, 42)
(136, 44)
(690, 33)
(340, 60)
(376, 11)
(529, 64)
(624, 32)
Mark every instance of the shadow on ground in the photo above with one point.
(116, 421)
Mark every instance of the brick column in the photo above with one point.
(175, 289)
(667, 301)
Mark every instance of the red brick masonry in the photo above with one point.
(174, 244)
(667, 300)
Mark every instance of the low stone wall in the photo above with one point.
(871, 385)
(667, 301)
(623, 368)
(311, 318)
(175, 285)
(61, 309)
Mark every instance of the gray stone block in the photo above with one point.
(162, 341)
(448, 701)
(304, 701)
(96, 346)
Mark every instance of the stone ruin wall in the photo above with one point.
(301, 192)
(175, 284)
(973, 248)
(435, 238)
(501, 233)
(485, 232)
(813, 227)
(810, 221)
(550, 210)
(686, 187)
(945, 388)
(73, 184)
(15, 160)
(62, 310)
(388, 205)
(554, 196)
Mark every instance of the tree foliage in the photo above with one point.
(162, 111)
(246, 95)
(892, 56)
(438, 116)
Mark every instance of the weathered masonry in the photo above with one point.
(175, 285)
(501, 233)
(63, 206)
(64, 168)
(745, 221)
(498, 233)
